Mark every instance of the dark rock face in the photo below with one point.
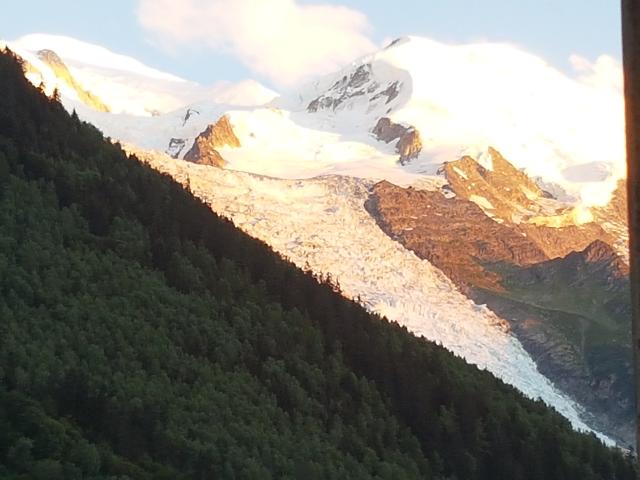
(572, 313)
(391, 92)
(188, 114)
(358, 83)
(204, 150)
(176, 145)
(409, 143)
(599, 257)
(343, 89)
(387, 131)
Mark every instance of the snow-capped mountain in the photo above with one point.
(122, 83)
(458, 100)
(462, 99)
(375, 173)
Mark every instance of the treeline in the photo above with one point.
(143, 337)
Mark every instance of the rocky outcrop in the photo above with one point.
(386, 131)
(409, 143)
(452, 233)
(510, 196)
(345, 88)
(390, 93)
(205, 147)
(613, 218)
(358, 83)
(188, 114)
(508, 191)
(61, 71)
(571, 314)
(176, 145)
(561, 241)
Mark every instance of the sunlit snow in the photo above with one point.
(566, 130)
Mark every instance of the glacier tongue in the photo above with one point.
(322, 223)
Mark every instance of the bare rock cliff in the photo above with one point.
(409, 143)
(205, 147)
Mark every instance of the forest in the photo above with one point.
(144, 337)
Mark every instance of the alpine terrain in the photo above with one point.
(473, 194)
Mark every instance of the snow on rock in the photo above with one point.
(70, 49)
(463, 98)
(566, 130)
(274, 142)
(482, 202)
(322, 223)
(461, 173)
(128, 86)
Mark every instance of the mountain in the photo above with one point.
(408, 179)
(563, 290)
(145, 337)
(573, 313)
(122, 83)
(469, 97)
(526, 112)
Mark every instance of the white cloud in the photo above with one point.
(605, 72)
(279, 39)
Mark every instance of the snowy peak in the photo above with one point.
(566, 129)
(450, 101)
(121, 83)
(355, 84)
(87, 54)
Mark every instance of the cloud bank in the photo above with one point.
(278, 39)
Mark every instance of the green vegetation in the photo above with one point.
(586, 306)
(143, 337)
(593, 296)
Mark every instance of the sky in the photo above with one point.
(284, 42)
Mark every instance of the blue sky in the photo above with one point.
(551, 29)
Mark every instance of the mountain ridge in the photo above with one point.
(521, 129)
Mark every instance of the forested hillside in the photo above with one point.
(143, 337)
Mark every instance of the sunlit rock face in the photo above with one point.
(563, 290)
(509, 196)
(204, 150)
(52, 59)
(408, 145)
(453, 233)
